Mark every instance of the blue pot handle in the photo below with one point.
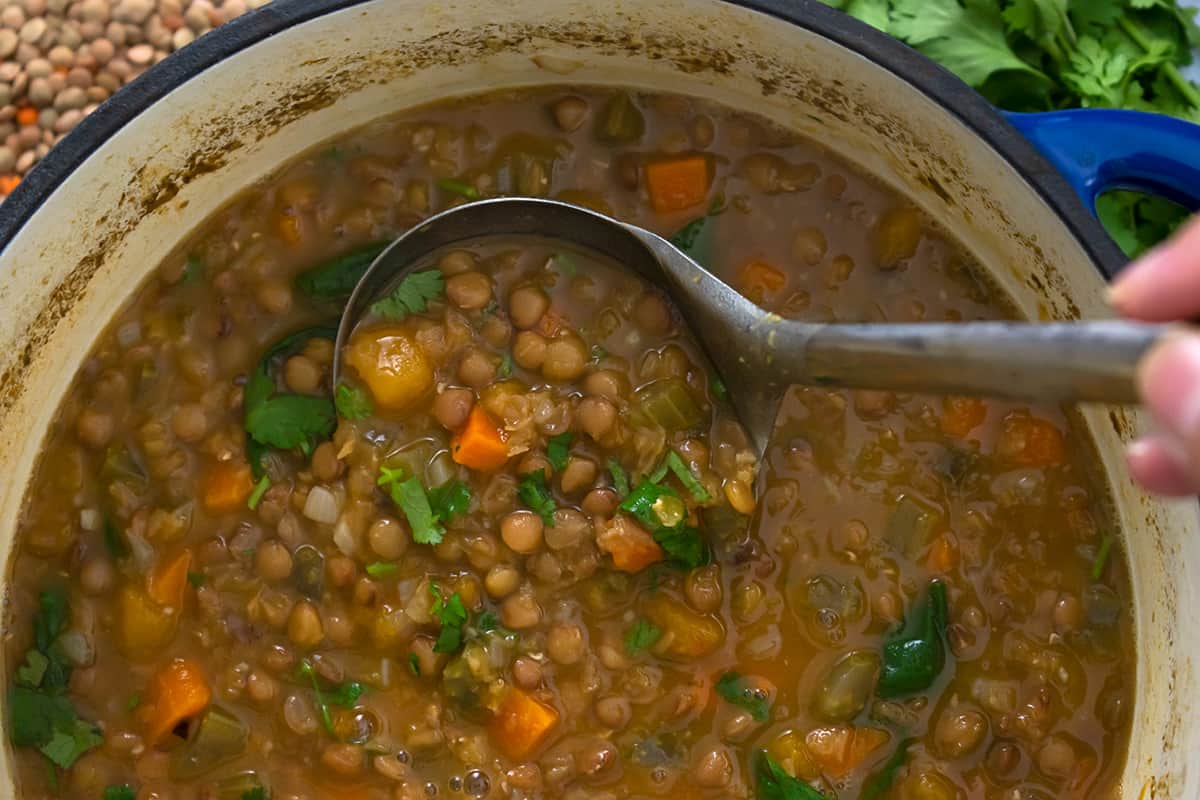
(1102, 149)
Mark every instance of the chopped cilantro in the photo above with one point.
(196, 579)
(451, 499)
(193, 269)
(536, 495)
(487, 622)
(133, 702)
(352, 402)
(685, 476)
(458, 187)
(260, 489)
(414, 664)
(683, 545)
(409, 496)
(1102, 554)
(33, 670)
(505, 369)
(68, 742)
(346, 694)
(774, 783)
(733, 688)
(717, 387)
(558, 450)
(380, 569)
(256, 793)
(453, 615)
(641, 636)
(620, 479)
(879, 782)
(304, 670)
(121, 792)
(566, 264)
(114, 542)
(412, 296)
(649, 503)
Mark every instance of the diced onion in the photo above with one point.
(343, 538)
(129, 334)
(440, 469)
(78, 648)
(321, 505)
(142, 550)
(90, 519)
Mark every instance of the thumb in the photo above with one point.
(1169, 382)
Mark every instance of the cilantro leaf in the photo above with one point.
(196, 579)
(649, 503)
(379, 569)
(256, 793)
(122, 792)
(683, 545)
(412, 296)
(346, 694)
(734, 689)
(620, 479)
(451, 499)
(968, 40)
(260, 489)
(488, 622)
(305, 670)
(536, 495)
(114, 541)
(51, 618)
(453, 615)
(409, 496)
(414, 664)
(333, 281)
(31, 672)
(69, 742)
(1102, 554)
(774, 783)
(458, 187)
(505, 369)
(878, 783)
(352, 402)
(685, 476)
(641, 636)
(558, 450)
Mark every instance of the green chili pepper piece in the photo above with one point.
(913, 659)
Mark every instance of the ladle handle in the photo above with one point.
(1063, 361)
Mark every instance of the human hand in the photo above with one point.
(1163, 286)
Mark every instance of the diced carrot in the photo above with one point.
(227, 486)
(27, 115)
(961, 415)
(790, 752)
(393, 365)
(943, 553)
(480, 444)
(550, 325)
(8, 183)
(521, 724)
(685, 633)
(1030, 441)
(144, 627)
(169, 581)
(758, 279)
(631, 546)
(677, 183)
(176, 693)
(840, 749)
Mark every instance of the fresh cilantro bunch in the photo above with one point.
(1043, 55)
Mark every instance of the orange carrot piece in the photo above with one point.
(757, 279)
(288, 224)
(840, 749)
(632, 548)
(943, 553)
(961, 415)
(169, 581)
(8, 183)
(521, 724)
(678, 183)
(27, 115)
(480, 444)
(227, 486)
(177, 692)
(550, 325)
(1030, 441)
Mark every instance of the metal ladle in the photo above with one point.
(760, 354)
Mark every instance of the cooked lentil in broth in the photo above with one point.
(510, 556)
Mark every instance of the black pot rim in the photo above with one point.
(938, 84)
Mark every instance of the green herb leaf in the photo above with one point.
(260, 489)
(193, 269)
(558, 450)
(133, 702)
(122, 792)
(488, 622)
(685, 476)
(620, 479)
(68, 743)
(642, 636)
(304, 670)
(412, 296)
(451, 499)
(256, 793)
(717, 387)
(352, 402)
(53, 610)
(505, 370)
(346, 694)
(453, 615)
(1102, 554)
(733, 688)
(379, 569)
(566, 264)
(333, 281)
(196, 579)
(915, 656)
(458, 187)
(772, 782)
(409, 496)
(31, 672)
(414, 664)
(683, 545)
(881, 780)
(536, 495)
(696, 239)
(114, 541)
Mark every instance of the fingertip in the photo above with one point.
(1169, 382)
(1155, 464)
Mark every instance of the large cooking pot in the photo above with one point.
(162, 155)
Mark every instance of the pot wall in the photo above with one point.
(137, 194)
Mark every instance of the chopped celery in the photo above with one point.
(669, 404)
(621, 121)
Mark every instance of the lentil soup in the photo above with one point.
(525, 549)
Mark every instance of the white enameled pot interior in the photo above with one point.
(139, 193)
